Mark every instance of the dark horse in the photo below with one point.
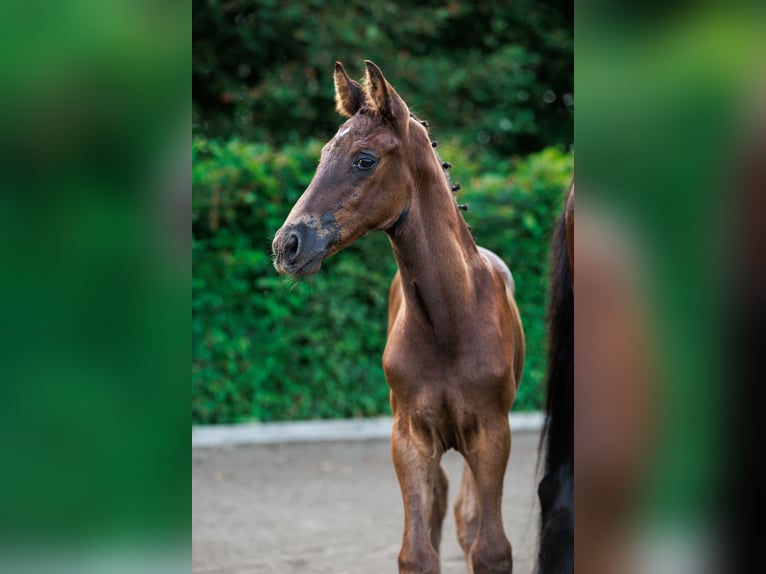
(556, 490)
(455, 348)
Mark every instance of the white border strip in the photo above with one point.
(321, 430)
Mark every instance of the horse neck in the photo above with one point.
(435, 251)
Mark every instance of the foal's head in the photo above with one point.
(363, 179)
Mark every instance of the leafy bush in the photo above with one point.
(267, 349)
(498, 73)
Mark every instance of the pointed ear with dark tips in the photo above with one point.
(349, 95)
(382, 97)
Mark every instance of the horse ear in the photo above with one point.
(349, 95)
(383, 98)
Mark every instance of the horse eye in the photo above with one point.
(364, 163)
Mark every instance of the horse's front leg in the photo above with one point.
(487, 455)
(424, 493)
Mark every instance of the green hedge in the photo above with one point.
(269, 349)
(497, 74)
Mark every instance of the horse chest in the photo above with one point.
(417, 367)
(444, 401)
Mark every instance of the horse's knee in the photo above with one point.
(492, 555)
(419, 559)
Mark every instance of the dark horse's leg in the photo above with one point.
(479, 505)
(424, 492)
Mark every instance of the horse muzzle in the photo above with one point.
(299, 249)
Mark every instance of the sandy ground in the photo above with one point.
(330, 508)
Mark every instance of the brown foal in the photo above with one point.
(455, 348)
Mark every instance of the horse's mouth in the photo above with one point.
(310, 265)
(304, 266)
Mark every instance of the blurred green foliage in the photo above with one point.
(94, 200)
(498, 74)
(268, 349)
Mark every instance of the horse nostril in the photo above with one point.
(292, 245)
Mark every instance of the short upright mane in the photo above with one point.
(446, 166)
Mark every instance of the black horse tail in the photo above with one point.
(556, 490)
(558, 431)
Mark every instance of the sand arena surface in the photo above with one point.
(331, 508)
